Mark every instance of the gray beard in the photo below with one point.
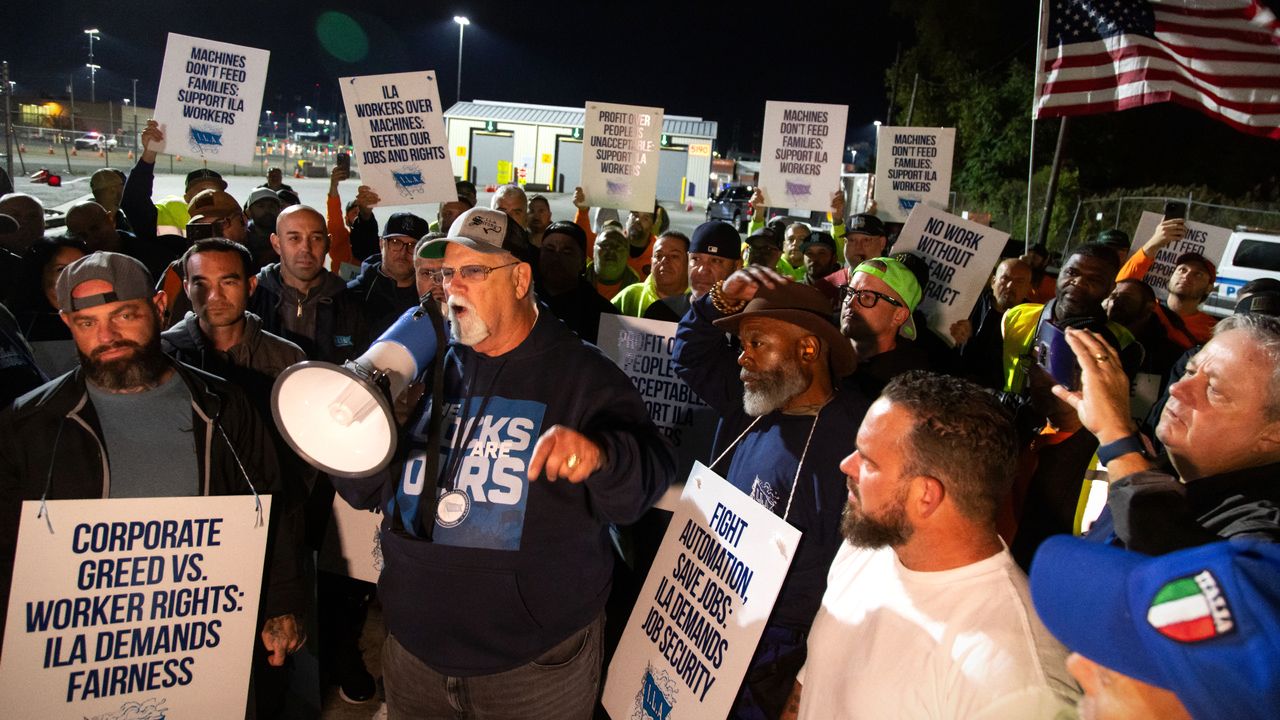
(468, 330)
(771, 390)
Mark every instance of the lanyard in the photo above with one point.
(799, 466)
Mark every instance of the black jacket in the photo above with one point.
(340, 332)
(1154, 512)
(51, 446)
(382, 301)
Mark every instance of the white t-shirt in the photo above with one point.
(964, 643)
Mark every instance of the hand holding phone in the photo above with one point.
(1174, 210)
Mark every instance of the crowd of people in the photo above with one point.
(947, 566)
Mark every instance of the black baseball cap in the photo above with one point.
(818, 237)
(563, 227)
(765, 237)
(403, 223)
(196, 176)
(865, 224)
(716, 237)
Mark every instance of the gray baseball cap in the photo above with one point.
(480, 229)
(129, 280)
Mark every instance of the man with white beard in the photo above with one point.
(498, 504)
(785, 419)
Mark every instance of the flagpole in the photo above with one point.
(1035, 95)
(1050, 195)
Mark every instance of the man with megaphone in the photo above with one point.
(499, 494)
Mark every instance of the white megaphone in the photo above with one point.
(339, 418)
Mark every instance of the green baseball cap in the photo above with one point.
(900, 280)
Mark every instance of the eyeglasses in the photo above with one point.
(866, 298)
(398, 244)
(444, 275)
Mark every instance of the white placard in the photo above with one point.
(1208, 240)
(352, 543)
(699, 617)
(913, 166)
(642, 349)
(134, 608)
(961, 256)
(397, 127)
(800, 160)
(620, 155)
(210, 99)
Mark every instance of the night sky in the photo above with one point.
(717, 61)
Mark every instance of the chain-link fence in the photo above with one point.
(83, 152)
(1093, 216)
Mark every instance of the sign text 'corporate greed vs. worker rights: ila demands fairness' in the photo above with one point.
(133, 601)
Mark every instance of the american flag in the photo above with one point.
(1219, 56)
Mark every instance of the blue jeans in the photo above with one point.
(561, 684)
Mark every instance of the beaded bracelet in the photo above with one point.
(720, 303)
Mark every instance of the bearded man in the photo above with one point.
(782, 413)
(498, 504)
(129, 422)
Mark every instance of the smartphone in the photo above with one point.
(201, 231)
(1175, 210)
(344, 160)
(1054, 355)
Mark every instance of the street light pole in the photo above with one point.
(93, 69)
(135, 112)
(93, 81)
(462, 26)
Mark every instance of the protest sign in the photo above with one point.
(1208, 240)
(210, 98)
(802, 154)
(397, 128)
(686, 646)
(134, 608)
(913, 165)
(352, 543)
(961, 255)
(642, 348)
(620, 161)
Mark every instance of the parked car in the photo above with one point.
(733, 205)
(1250, 254)
(95, 141)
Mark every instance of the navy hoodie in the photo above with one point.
(514, 567)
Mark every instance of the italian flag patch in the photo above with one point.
(1191, 609)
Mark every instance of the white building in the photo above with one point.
(540, 147)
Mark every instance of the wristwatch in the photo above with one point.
(1131, 443)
